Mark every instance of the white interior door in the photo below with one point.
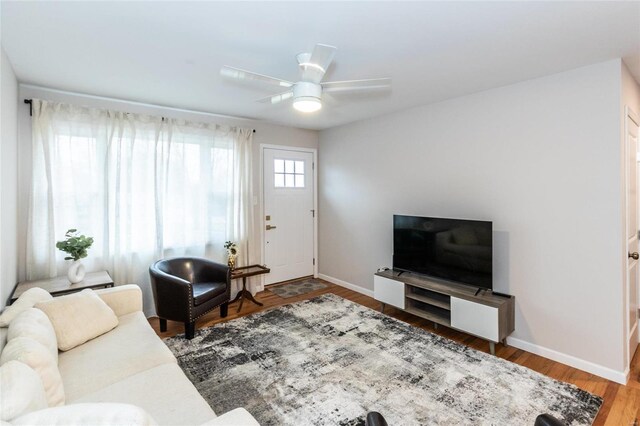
(631, 291)
(289, 215)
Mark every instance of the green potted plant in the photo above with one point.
(76, 247)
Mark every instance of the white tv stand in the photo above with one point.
(486, 315)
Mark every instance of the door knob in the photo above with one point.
(270, 227)
(634, 255)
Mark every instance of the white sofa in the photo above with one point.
(130, 364)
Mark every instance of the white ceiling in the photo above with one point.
(170, 53)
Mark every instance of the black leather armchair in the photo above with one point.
(186, 288)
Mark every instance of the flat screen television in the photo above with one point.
(454, 250)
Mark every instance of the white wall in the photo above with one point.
(8, 178)
(541, 159)
(630, 91)
(265, 134)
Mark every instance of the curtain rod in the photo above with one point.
(30, 102)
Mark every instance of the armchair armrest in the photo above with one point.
(173, 295)
(123, 299)
(210, 271)
(161, 275)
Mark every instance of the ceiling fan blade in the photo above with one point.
(330, 100)
(322, 55)
(356, 85)
(239, 74)
(275, 99)
(314, 69)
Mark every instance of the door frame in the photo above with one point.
(263, 222)
(629, 114)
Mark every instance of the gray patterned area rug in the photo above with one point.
(328, 361)
(297, 288)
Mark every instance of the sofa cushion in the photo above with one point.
(78, 317)
(36, 356)
(163, 391)
(123, 299)
(88, 414)
(35, 324)
(4, 331)
(22, 391)
(25, 301)
(235, 417)
(128, 349)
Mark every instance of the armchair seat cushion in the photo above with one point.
(203, 292)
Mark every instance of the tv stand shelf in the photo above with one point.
(484, 315)
(428, 316)
(429, 301)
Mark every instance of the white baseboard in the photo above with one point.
(345, 284)
(616, 376)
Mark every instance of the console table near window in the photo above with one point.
(244, 272)
(485, 315)
(61, 285)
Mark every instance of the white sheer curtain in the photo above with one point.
(144, 187)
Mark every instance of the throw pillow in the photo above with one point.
(35, 355)
(78, 317)
(22, 391)
(94, 414)
(35, 324)
(25, 301)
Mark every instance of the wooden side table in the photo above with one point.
(61, 285)
(244, 272)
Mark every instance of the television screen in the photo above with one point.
(450, 249)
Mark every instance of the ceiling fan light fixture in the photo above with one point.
(306, 96)
(307, 104)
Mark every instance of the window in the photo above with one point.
(142, 186)
(93, 184)
(288, 173)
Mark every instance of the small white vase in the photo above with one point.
(76, 272)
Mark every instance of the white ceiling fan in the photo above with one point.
(307, 93)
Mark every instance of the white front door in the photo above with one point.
(289, 215)
(631, 308)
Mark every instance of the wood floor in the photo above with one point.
(621, 403)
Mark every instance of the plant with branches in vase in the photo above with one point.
(76, 246)
(232, 253)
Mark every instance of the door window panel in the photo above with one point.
(288, 173)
